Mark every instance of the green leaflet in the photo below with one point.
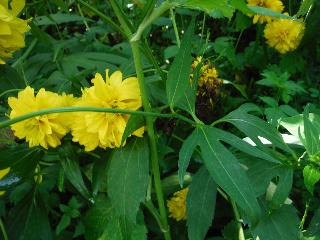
(179, 73)
(128, 177)
(228, 173)
(201, 203)
(311, 176)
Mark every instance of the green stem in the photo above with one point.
(26, 53)
(84, 19)
(9, 122)
(157, 12)
(154, 212)
(305, 214)
(175, 28)
(104, 18)
(152, 138)
(118, 12)
(3, 230)
(238, 219)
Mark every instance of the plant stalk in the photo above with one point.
(3, 230)
(9, 122)
(175, 28)
(238, 219)
(152, 139)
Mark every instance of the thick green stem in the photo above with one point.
(238, 219)
(26, 53)
(88, 109)
(152, 139)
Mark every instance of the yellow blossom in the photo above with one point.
(208, 78)
(3, 173)
(45, 130)
(177, 205)
(284, 34)
(105, 130)
(12, 28)
(274, 5)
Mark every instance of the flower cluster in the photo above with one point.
(284, 35)
(177, 205)
(12, 28)
(90, 129)
(208, 78)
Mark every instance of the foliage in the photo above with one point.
(245, 150)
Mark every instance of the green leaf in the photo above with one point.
(313, 228)
(305, 7)
(99, 174)
(228, 173)
(281, 224)
(255, 127)
(241, 5)
(179, 73)
(10, 79)
(312, 134)
(201, 201)
(63, 224)
(128, 177)
(215, 8)
(29, 219)
(185, 154)
(311, 176)
(268, 12)
(134, 123)
(69, 162)
(113, 230)
(97, 218)
(58, 18)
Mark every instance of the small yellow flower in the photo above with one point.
(177, 205)
(45, 130)
(274, 5)
(12, 28)
(208, 74)
(3, 173)
(284, 34)
(105, 130)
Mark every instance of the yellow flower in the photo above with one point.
(93, 129)
(274, 5)
(12, 28)
(177, 205)
(45, 130)
(208, 75)
(3, 173)
(284, 34)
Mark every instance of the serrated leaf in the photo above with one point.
(201, 201)
(185, 154)
(311, 176)
(179, 73)
(128, 176)
(281, 224)
(228, 173)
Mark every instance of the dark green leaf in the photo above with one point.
(10, 79)
(128, 177)
(179, 73)
(69, 162)
(134, 123)
(201, 201)
(185, 154)
(63, 224)
(281, 224)
(228, 173)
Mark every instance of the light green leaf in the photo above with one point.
(228, 173)
(267, 12)
(128, 177)
(311, 176)
(201, 201)
(179, 73)
(305, 7)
